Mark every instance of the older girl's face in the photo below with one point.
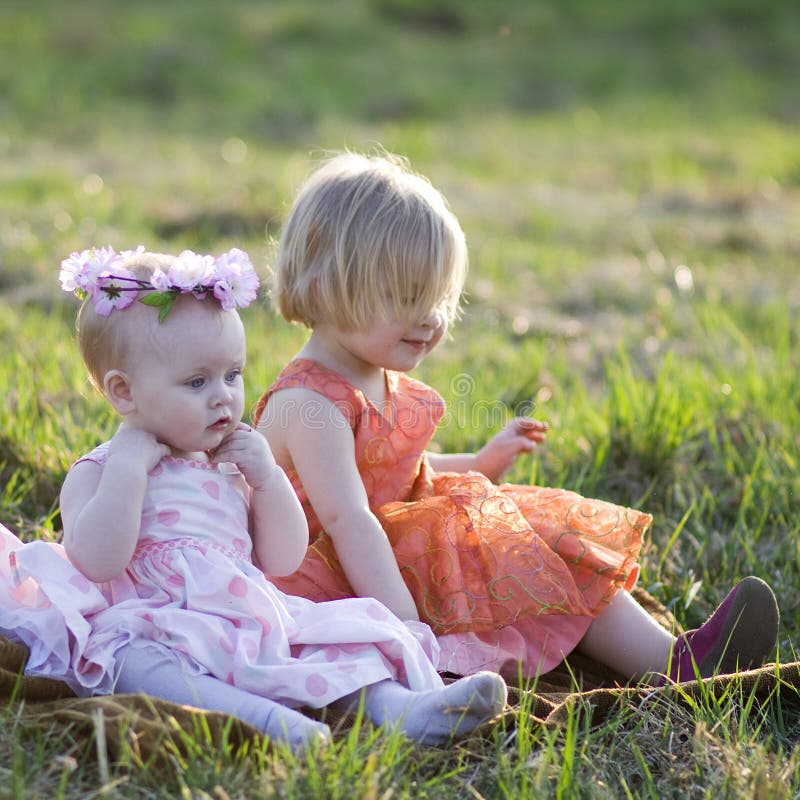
(389, 342)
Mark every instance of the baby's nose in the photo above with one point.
(222, 393)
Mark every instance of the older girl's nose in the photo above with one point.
(433, 319)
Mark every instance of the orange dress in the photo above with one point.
(505, 575)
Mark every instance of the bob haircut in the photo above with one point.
(367, 236)
(103, 341)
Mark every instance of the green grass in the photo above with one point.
(628, 177)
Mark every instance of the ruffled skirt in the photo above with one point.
(507, 576)
(217, 614)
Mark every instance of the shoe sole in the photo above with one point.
(751, 631)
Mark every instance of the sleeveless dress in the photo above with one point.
(508, 576)
(192, 590)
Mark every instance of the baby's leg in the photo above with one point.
(148, 671)
(434, 716)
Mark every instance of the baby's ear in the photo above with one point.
(117, 389)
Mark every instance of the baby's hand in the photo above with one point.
(498, 455)
(136, 446)
(249, 450)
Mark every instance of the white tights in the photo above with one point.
(435, 716)
(146, 670)
(430, 717)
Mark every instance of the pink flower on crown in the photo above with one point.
(81, 271)
(236, 282)
(159, 280)
(114, 291)
(190, 270)
(71, 272)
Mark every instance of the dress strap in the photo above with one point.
(303, 373)
(99, 455)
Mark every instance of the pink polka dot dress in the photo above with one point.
(192, 589)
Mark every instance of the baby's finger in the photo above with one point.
(224, 448)
(239, 444)
(230, 447)
(239, 433)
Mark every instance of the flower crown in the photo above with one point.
(100, 274)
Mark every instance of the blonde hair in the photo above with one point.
(366, 235)
(104, 341)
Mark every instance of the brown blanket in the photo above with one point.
(147, 724)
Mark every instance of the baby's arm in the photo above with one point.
(277, 522)
(101, 506)
(498, 455)
(321, 447)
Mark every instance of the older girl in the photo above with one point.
(372, 261)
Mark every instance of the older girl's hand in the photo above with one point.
(498, 455)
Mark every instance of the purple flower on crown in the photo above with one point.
(114, 292)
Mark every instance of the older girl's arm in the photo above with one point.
(321, 446)
(498, 455)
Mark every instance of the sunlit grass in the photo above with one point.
(627, 176)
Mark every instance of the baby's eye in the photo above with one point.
(233, 375)
(196, 383)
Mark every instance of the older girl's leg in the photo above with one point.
(739, 635)
(627, 639)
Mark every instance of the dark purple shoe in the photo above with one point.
(739, 635)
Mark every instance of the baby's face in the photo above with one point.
(186, 376)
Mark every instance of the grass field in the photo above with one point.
(628, 177)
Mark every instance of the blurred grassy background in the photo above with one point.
(628, 177)
(627, 173)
